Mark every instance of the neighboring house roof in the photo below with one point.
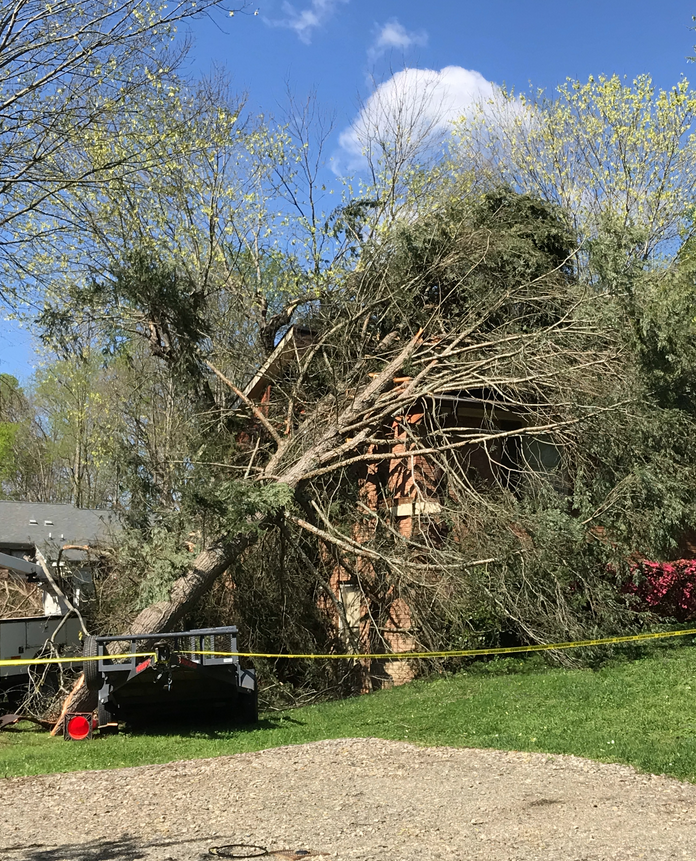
(49, 526)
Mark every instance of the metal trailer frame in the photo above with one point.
(175, 683)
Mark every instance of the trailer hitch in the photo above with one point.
(163, 662)
(163, 653)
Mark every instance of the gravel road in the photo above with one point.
(354, 800)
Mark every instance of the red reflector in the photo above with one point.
(143, 666)
(79, 728)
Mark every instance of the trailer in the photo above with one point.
(193, 676)
(186, 676)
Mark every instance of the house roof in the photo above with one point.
(291, 347)
(26, 525)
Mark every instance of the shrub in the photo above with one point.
(665, 588)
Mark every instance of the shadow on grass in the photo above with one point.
(209, 730)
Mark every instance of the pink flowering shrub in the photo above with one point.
(665, 588)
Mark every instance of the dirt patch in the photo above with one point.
(354, 799)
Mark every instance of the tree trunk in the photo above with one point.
(160, 617)
(217, 558)
(207, 567)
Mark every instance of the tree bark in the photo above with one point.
(217, 558)
(160, 617)
(207, 567)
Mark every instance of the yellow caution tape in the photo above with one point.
(456, 653)
(391, 656)
(25, 662)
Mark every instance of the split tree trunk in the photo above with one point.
(218, 557)
(163, 616)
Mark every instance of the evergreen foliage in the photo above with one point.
(544, 306)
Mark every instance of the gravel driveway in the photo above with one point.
(354, 799)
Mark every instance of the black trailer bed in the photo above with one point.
(173, 684)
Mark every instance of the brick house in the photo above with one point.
(408, 492)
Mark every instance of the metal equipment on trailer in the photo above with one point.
(22, 638)
(25, 637)
(178, 682)
(54, 546)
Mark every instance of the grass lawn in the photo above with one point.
(640, 712)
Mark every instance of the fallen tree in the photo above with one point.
(482, 299)
(220, 555)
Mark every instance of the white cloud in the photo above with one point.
(395, 35)
(305, 21)
(421, 102)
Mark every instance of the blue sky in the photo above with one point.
(339, 48)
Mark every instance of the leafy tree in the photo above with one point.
(68, 72)
(9, 393)
(601, 148)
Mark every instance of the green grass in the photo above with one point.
(641, 712)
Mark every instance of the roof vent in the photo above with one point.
(48, 523)
(33, 523)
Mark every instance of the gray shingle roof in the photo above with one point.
(47, 525)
